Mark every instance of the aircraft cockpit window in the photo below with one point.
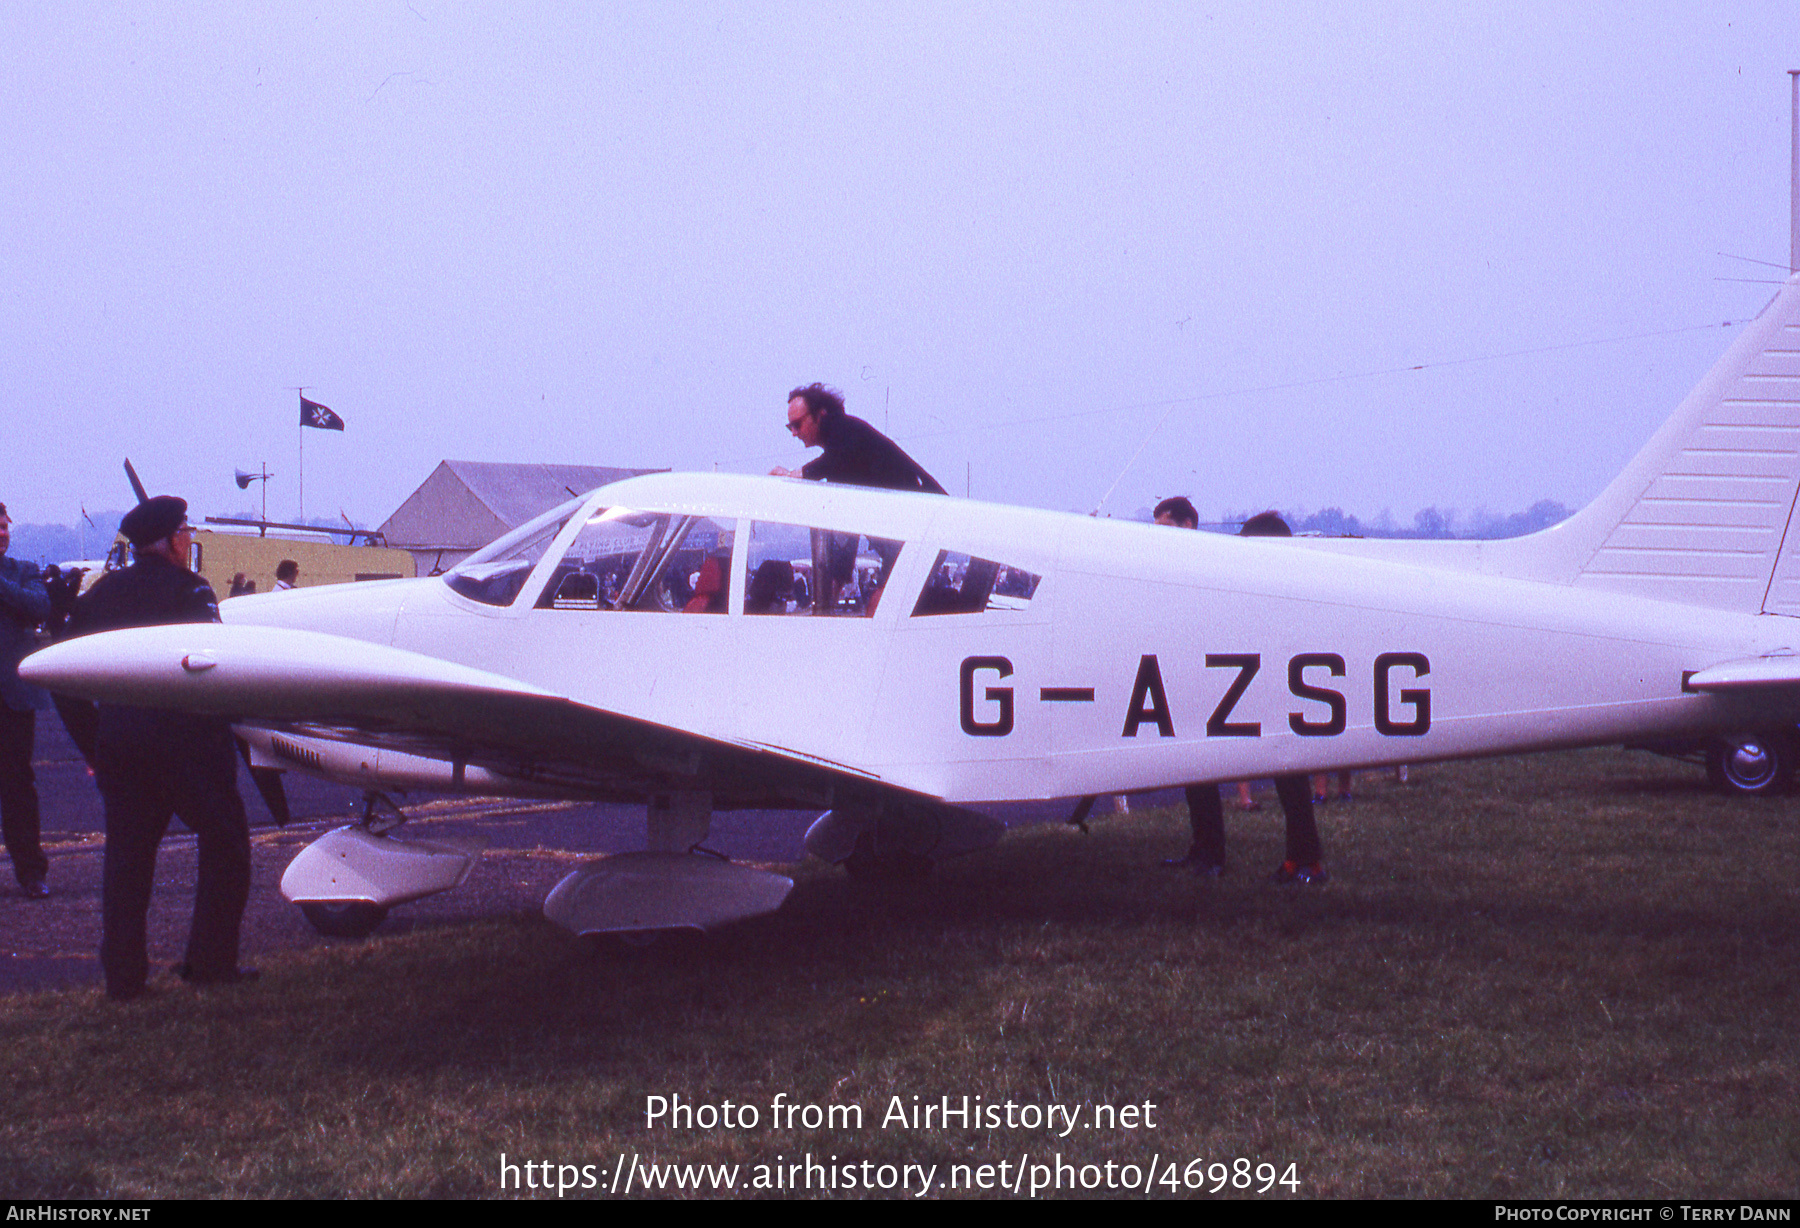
(795, 569)
(962, 584)
(494, 574)
(629, 560)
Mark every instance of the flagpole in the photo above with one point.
(300, 390)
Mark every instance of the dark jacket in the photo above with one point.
(152, 592)
(859, 455)
(24, 603)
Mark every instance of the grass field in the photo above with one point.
(1561, 976)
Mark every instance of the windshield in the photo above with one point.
(494, 574)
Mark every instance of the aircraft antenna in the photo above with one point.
(1100, 506)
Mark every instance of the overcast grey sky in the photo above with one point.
(1011, 233)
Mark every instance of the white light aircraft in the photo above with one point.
(705, 641)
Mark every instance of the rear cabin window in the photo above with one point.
(963, 584)
(798, 569)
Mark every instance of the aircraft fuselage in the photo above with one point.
(1144, 657)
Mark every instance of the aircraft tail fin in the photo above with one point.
(1704, 515)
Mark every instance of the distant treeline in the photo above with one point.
(1430, 522)
(64, 543)
(1436, 522)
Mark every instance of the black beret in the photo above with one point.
(153, 519)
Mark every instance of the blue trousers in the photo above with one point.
(143, 787)
(1206, 817)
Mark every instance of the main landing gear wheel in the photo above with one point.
(625, 944)
(887, 866)
(1753, 763)
(354, 919)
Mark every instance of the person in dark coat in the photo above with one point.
(853, 451)
(1206, 814)
(153, 765)
(1304, 861)
(24, 603)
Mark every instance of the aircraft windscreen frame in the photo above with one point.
(496, 573)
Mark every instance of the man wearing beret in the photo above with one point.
(24, 603)
(152, 765)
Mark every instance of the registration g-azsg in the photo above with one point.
(989, 708)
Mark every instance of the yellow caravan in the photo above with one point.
(222, 557)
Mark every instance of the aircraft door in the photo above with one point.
(595, 623)
(814, 639)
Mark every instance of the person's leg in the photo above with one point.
(1303, 848)
(1206, 819)
(209, 804)
(137, 815)
(19, 798)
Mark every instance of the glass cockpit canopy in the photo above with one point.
(494, 574)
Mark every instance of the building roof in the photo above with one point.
(464, 505)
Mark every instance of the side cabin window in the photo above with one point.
(963, 584)
(629, 560)
(798, 569)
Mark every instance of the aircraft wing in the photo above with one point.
(335, 687)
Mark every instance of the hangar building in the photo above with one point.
(464, 505)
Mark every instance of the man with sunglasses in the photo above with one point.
(152, 765)
(854, 452)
